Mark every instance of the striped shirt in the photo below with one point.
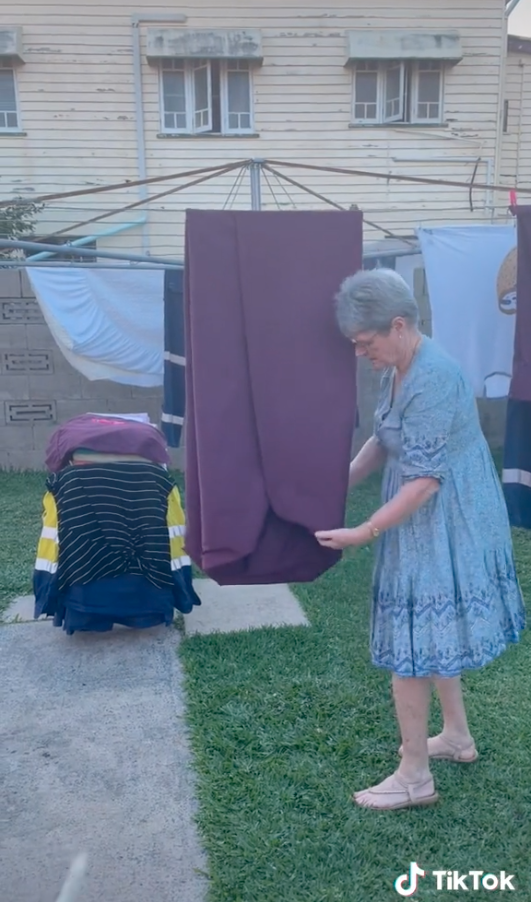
(113, 520)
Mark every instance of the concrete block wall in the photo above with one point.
(39, 388)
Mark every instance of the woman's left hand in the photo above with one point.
(338, 539)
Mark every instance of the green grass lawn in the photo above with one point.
(287, 723)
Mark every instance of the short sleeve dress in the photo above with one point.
(446, 596)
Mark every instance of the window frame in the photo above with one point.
(224, 98)
(9, 65)
(414, 100)
(187, 98)
(398, 117)
(189, 67)
(409, 88)
(367, 121)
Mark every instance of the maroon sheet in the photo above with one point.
(521, 380)
(271, 394)
(110, 436)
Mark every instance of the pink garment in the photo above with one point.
(112, 436)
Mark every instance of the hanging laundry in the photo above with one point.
(472, 301)
(108, 323)
(517, 451)
(270, 390)
(174, 362)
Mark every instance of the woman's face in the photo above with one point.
(382, 349)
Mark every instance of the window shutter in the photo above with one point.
(393, 93)
(202, 97)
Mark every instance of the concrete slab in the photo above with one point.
(21, 611)
(229, 609)
(94, 758)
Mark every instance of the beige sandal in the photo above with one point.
(397, 794)
(452, 752)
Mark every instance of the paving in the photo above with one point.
(228, 609)
(94, 758)
(94, 754)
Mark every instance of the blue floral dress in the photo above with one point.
(446, 596)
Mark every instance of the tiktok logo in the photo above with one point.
(401, 882)
(407, 884)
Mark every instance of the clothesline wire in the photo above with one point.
(381, 207)
(235, 190)
(393, 177)
(271, 189)
(287, 178)
(332, 203)
(337, 170)
(129, 183)
(286, 192)
(140, 203)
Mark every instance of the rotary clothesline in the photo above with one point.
(241, 169)
(256, 168)
(338, 170)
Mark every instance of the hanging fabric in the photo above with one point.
(174, 362)
(517, 451)
(271, 396)
(107, 323)
(472, 300)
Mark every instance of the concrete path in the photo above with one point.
(94, 755)
(224, 609)
(94, 758)
(231, 609)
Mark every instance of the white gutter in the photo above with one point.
(136, 21)
(510, 8)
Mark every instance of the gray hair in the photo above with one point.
(370, 301)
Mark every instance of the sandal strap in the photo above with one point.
(412, 790)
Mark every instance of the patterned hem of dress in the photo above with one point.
(426, 669)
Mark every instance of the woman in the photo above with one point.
(446, 596)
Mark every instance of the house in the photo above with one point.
(516, 141)
(93, 95)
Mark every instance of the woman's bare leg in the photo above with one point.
(454, 742)
(412, 700)
(455, 731)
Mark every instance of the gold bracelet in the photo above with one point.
(375, 532)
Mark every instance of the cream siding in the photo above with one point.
(77, 104)
(516, 156)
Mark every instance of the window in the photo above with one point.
(9, 118)
(206, 97)
(398, 92)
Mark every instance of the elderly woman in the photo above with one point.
(446, 597)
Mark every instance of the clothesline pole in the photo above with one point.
(56, 264)
(16, 244)
(255, 170)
